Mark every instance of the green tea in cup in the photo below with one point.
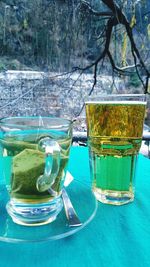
(35, 155)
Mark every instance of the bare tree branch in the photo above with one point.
(86, 6)
(123, 70)
(116, 17)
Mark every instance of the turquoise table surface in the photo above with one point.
(118, 236)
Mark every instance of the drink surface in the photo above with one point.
(27, 163)
(114, 138)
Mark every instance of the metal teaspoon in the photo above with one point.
(72, 217)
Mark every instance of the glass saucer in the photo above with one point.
(83, 201)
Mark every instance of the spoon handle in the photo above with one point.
(70, 212)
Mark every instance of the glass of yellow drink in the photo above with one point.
(35, 155)
(114, 129)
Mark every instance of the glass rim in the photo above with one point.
(55, 122)
(116, 97)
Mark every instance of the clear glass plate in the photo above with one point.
(83, 201)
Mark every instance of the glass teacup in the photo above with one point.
(35, 155)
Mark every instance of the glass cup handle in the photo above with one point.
(52, 163)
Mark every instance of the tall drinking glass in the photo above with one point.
(114, 129)
(35, 155)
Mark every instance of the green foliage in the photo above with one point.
(134, 80)
(148, 30)
(2, 66)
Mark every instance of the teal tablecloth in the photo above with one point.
(117, 236)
